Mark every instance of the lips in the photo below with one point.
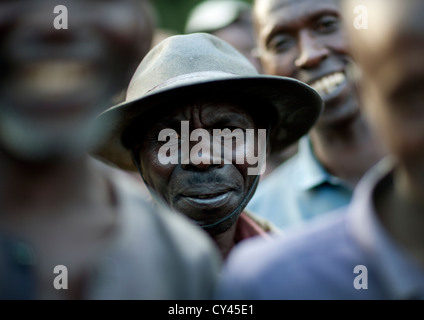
(56, 78)
(329, 84)
(207, 197)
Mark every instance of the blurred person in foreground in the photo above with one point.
(196, 124)
(376, 249)
(70, 227)
(305, 39)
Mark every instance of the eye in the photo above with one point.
(281, 43)
(327, 24)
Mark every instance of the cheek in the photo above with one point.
(250, 158)
(279, 64)
(408, 136)
(337, 42)
(155, 173)
(403, 134)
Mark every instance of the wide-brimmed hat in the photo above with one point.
(184, 65)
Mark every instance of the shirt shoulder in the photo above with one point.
(158, 253)
(315, 261)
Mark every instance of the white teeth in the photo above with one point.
(56, 77)
(328, 84)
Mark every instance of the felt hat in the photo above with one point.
(200, 63)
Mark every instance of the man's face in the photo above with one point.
(390, 54)
(205, 192)
(303, 39)
(53, 81)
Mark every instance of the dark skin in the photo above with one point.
(393, 91)
(304, 40)
(93, 48)
(52, 84)
(206, 193)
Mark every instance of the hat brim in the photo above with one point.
(297, 106)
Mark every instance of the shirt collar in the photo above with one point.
(311, 173)
(402, 278)
(247, 227)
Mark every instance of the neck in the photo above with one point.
(346, 150)
(409, 184)
(401, 209)
(225, 241)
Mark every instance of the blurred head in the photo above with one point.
(304, 39)
(230, 20)
(390, 53)
(53, 82)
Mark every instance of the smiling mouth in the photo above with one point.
(57, 78)
(329, 84)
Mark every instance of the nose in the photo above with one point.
(200, 156)
(311, 51)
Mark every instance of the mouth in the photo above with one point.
(56, 78)
(208, 200)
(329, 85)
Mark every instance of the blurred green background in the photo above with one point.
(172, 14)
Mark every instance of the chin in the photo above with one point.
(222, 227)
(28, 140)
(339, 116)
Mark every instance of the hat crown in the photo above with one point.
(178, 57)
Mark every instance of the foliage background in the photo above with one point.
(172, 14)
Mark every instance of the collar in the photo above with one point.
(311, 173)
(402, 278)
(248, 227)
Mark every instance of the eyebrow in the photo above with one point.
(283, 4)
(227, 120)
(164, 124)
(287, 25)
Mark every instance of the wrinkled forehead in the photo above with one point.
(209, 111)
(263, 8)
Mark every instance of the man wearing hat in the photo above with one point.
(188, 89)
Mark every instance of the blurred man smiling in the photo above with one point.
(58, 206)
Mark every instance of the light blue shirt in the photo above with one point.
(298, 190)
(318, 261)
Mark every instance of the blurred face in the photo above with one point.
(206, 188)
(53, 82)
(390, 54)
(303, 39)
(241, 36)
